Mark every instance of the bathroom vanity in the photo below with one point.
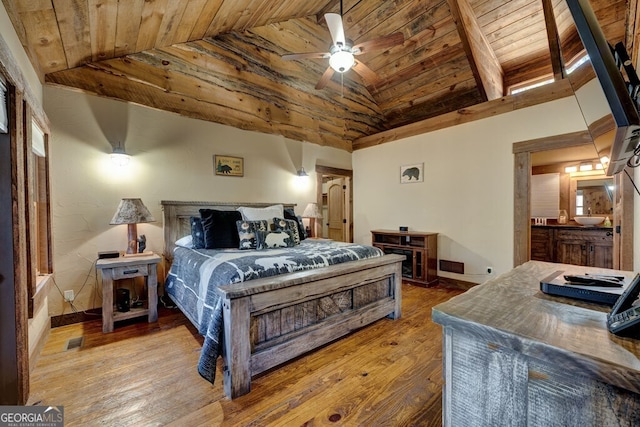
(573, 244)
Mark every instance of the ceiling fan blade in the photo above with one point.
(292, 56)
(334, 22)
(367, 73)
(386, 42)
(325, 78)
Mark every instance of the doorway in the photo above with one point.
(623, 203)
(334, 198)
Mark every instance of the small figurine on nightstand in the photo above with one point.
(142, 243)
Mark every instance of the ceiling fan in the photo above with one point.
(342, 51)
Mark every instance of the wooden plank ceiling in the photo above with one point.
(220, 60)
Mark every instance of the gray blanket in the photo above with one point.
(195, 273)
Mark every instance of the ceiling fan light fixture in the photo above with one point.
(341, 61)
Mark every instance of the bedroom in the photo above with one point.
(468, 168)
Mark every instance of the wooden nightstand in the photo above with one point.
(125, 268)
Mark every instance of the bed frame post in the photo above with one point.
(236, 352)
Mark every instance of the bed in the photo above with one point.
(268, 321)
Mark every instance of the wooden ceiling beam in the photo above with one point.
(556, 90)
(554, 40)
(482, 58)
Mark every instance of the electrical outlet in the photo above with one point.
(489, 270)
(69, 295)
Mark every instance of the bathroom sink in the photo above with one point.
(589, 220)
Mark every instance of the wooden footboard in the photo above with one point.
(270, 321)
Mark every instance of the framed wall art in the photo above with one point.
(228, 165)
(411, 173)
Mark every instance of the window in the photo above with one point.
(40, 184)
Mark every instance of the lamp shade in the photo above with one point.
(131, 211)
(311, 211)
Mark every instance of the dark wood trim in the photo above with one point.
(14, 343)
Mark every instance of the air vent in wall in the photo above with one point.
(452, 266)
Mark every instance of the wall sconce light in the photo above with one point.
(119, 157)
(302, 173)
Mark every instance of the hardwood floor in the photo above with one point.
(386, 374)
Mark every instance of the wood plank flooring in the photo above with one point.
(386, 374)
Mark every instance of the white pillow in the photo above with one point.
(185, 242)
(257, 214)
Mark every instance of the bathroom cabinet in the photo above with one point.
(586, 246)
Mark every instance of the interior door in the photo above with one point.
(336, 193)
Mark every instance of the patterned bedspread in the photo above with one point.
(195, 273)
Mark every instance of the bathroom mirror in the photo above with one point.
(595, 192)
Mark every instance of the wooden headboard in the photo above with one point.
(176, 219)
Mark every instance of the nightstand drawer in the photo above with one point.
(130, 271)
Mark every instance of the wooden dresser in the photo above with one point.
(513, 356)
(421, 251)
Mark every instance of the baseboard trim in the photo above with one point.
(79, 317)
(448, 282)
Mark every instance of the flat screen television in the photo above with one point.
(620, 144)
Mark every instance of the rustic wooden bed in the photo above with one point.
(270, 321)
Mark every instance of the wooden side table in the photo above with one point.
(125, 268)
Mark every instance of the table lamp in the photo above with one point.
(312, 212)
(132, 212)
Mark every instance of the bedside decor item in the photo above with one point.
(312, 212)
(411, 173)
(132, 212)
(228, 165)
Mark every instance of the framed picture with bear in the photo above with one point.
(411, 173)
(228, 165)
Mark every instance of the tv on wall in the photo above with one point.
(620, 145)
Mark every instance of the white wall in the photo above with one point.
(172, 159)
(467, 193)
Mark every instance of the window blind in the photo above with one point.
(4, 116)
(37, 140)
(545, 195)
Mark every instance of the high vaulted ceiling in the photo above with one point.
(220, 60)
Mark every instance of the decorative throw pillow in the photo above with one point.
(288, 225)
(197, 232)
(185, 242)
(219, 227)
(290, 214)
(256, 214)
(247, 232)
(273, 239)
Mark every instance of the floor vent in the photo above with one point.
(452, 266)
(74, 343)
